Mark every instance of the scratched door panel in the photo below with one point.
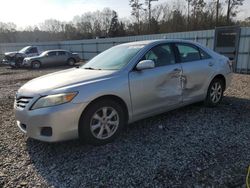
(155, 89)
(198, 67)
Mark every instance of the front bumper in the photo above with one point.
(10, 63)
(62, 120)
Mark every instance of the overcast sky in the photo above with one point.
(33, 12)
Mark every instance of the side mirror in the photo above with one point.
(145, 64)
(47, 55)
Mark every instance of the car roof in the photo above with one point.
(146, 42)
(59, 50)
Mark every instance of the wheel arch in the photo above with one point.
(69, 58)
(36, 60)
(108, 97)
(221, 77)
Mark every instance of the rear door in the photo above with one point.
(198, 67)
(155, 90)
(62, 57)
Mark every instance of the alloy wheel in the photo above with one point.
(71, 62)
(36, 65)
(216, 92)
(104, 123)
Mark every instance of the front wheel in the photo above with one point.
(215, 92)
(102, 122)
(35, 65)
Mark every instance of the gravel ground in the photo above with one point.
(194, 146)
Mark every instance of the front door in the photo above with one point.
(155, 90)
(51, 59)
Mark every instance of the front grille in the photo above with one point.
(22, 102)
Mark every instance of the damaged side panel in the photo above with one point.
(155, 89)
(196, 75)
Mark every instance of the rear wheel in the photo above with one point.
(71, 62)
(102, 122)
(35, 65)
(215, 92)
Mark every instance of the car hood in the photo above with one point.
(11, 54)
(46, 84)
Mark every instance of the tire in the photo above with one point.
(71, 62)
(215, 92)
(95, 129)
(35, 65)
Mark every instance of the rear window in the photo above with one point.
(61, 53)
(188, 52)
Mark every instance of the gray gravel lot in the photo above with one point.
(194, 146)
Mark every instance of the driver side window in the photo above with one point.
(51, 54)
(162, 55)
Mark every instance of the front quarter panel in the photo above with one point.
(116, 85)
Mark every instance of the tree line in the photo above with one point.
(145, 19)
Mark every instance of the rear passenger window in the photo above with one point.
(188, 53)
(61, 53)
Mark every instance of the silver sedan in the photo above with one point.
(51, 58)
(123, 84)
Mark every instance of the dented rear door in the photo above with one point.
(198, 67)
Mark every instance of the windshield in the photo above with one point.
(114, 58)
(23, 50)
(44, 53)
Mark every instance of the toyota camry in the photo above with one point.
(123, 84)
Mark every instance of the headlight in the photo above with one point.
(52, 100)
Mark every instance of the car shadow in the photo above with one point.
(184, 146)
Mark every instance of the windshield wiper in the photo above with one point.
(91, 68)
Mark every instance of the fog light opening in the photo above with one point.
(23, 126)
(46, 131)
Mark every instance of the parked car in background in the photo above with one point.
(123, 84)
(15, 59)
(51, 58)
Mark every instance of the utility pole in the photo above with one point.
(149, 12)
(228, 10)
(189, 1)
(217, 11)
